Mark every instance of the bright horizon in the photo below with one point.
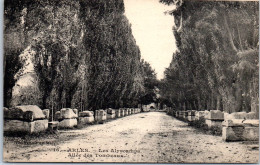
(153, 33)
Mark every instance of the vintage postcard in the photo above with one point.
(131, 81)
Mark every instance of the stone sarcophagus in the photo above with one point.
(240, 126)
(129, 111)
(181, 114)
(191, 115)
(122, 112)
(240, 130)
(100, 116)
(214, 118)
(200, 115)
(111, 113)
(117, 111)
(67, 117)
(126, 112)
(86, 117)
(27, 118)
(132, 111)
(185, 115)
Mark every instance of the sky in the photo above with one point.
(152, 30)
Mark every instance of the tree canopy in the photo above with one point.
(216, 65)
(80, 54)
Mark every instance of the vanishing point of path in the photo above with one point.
(145, 137)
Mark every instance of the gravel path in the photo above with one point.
(145, 137)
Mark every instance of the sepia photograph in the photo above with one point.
(130, 81)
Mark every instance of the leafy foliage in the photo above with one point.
(216, 66)
(150, 85)
(86, 56)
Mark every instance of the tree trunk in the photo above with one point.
(212, 101)
(199, 104)
(195, 105)
(230, 38)
(184, 106)
(218, 102)
(209, 104)
(238, 96)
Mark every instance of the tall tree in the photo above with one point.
(209, 71)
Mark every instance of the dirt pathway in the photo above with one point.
(145, 137)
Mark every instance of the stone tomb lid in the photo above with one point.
(241, 123)
(18, 112)
(110, 111)
(86, 114)
(67, 113)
